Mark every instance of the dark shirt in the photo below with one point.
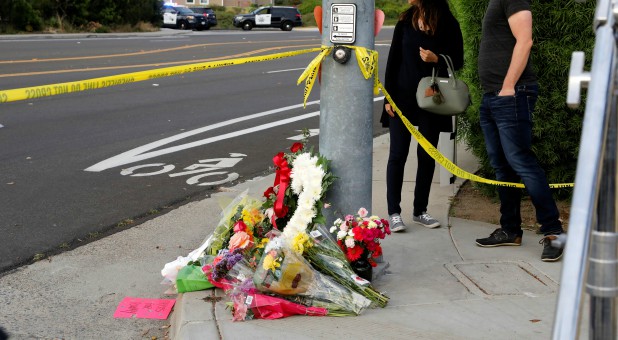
(497, 43)
(405, 68)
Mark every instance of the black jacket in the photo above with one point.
(405, 68)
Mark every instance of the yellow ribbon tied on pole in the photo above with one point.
(367, 61)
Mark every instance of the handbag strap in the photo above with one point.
(433, 75)
(449, 66)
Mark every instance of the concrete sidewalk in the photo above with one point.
(440, 284)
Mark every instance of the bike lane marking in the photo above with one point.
(144, 152)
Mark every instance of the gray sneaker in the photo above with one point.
(396, 223)
(426, 220)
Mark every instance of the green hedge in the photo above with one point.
(559, 28)
(69, 15)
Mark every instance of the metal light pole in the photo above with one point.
(346, 119)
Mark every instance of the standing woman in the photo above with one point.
(423, 32)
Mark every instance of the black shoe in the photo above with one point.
(550, 253)
(500, 237)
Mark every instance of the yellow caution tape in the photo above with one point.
(444, 161)
(367, 61)
(97, 83)
(311, 72)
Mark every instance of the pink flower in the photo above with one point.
(362, 212)
(240, 240)
(240, 226)
(240, 308)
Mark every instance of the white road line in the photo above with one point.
(143, 152)
(292, 69)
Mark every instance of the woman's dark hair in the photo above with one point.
(427, 11)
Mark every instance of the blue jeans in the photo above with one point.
(507, 126)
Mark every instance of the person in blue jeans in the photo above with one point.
(510, 94)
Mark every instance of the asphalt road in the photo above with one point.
(79, 166)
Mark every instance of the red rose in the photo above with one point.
(296, 147)
(268, 192)
(240, 226)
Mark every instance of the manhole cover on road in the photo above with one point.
(503, 278)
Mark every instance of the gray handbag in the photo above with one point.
(444, 96)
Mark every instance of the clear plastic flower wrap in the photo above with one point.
(283, 271)
(248, 303)
(220, 237)
(212, 244)
(327, 257)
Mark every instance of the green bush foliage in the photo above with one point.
(34, 15)
(559, 28)
(25, 18)
(391, 9)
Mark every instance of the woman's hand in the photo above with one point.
(428, 56)
(389, 110)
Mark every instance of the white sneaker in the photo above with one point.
(426, 220)
(396, 223)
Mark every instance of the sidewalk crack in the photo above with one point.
(450, 233)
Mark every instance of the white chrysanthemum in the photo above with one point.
(296, 185)
(372, 224)
(332, 229)
(275, 243)
(305, 200)
(307, 178)
(338, 222)
(315, 191)
(341, 234)
(307, 215)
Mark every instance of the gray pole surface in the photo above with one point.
(346, 117)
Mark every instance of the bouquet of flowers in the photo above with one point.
(282, 271)
(240, 220)
(248, 303)
(301, 182)
(327, 257)
(359, 236)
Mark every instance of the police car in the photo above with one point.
(183, 18)
(283, 17)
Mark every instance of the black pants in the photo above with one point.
(398, 154)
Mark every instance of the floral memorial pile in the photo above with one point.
(274, 257)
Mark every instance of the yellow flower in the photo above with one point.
(262, 243)
(300, 242)
(269, 263)
(252, 216)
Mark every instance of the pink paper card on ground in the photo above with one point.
(131, 307)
